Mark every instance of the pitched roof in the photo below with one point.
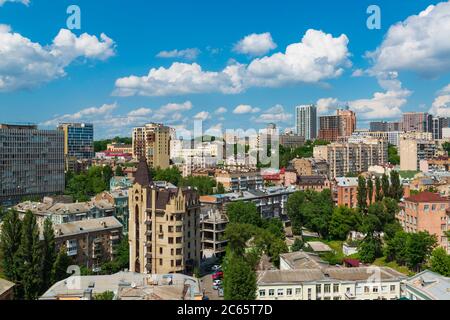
(427, 196)
(142, 175)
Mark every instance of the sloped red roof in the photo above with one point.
(427, 196)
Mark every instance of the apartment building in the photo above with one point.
(412, 151)
(304, 276)
(164, 226)
(270, 202)
(306, 121)
(427, 211)
(392, 137)
(66, 211)
(377, 126)
(152, 142)
(191, 155)
(417, 121)
(239, 180)
(119, 200)
(316, 183)
(347, 122)
(329, 128)
(344, 158)
(212, 229)
(290, 140)
(31, 162)
(89, 243)
(78, 143)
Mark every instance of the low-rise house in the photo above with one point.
(239, 180)
(427, 285)
(316, 183)
(310, 166)
(127, 286)
(89, 242)
(119, 199)
(120, 183)
(6, 289)
(319, 247)
(345, 191)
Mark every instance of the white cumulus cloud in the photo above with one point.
(203, 115)
(441, 105)
(255, 44)
(317, 57)
(188, 54)
(25, 64)
(274, 114)
(245, 108)
(420, 43)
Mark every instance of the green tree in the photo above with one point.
(220, 188)
(419, 247)
(107, 295)
(204, 185)
(362, 194)
(239, 281)
(275, 227)
(385, 185)
(370, 190)
(119, 171)
(395, 249)
(396, 189)
(62, 262)
(10, 236)
(172, 175)
(107, 174)
(370, 249)
(30, 258)
(48, 254)
(440, 262)
(393, 156)
(237, 235)
(343, 220)
(298, 245)
(276, 247)
(244, 212)
(378, 191)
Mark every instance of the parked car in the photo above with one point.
(217, 275)
(217, 284)
(216, 267)
(220, 292)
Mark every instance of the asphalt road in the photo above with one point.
(206, 283)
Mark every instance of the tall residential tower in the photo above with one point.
(306, 121)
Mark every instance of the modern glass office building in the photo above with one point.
(78, 141)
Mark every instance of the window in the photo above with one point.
(271, 292)
(375, 289)
(327, 288)
(160, 250)
(280, 292)
(433, 207)
(289, 292)
(426, 208)
(336, 298)
(298, 291)
(309, 293)
(335, 288)
(318, 288)
(262, 293)
(160, 262)
(392, 288)
(366, 289)
(170, 240)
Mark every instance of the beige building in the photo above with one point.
(304, 276)
(153, 143)
(355, 158)
(164, 226)
(412, 151)
(120, 148)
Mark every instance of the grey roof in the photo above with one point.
(318, 246)
(347, 182)
(303, 260)
(126, 286)
(433, 285)
(5, 285)
(89, 225)
(332, 274)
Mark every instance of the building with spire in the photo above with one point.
(164, 226)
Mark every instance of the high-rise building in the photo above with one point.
(347, 122)
(383, 126)
(31, 162)
(306, 121)
(437, 124)
(417, 121)
(152, 142)
(164, 226)
(78, 142)
(329, 128)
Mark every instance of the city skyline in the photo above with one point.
(118, 74)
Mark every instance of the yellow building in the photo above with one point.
(164, 226)
(153, 143)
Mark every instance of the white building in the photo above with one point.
(306, 121)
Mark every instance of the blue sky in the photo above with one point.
(48, 75)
